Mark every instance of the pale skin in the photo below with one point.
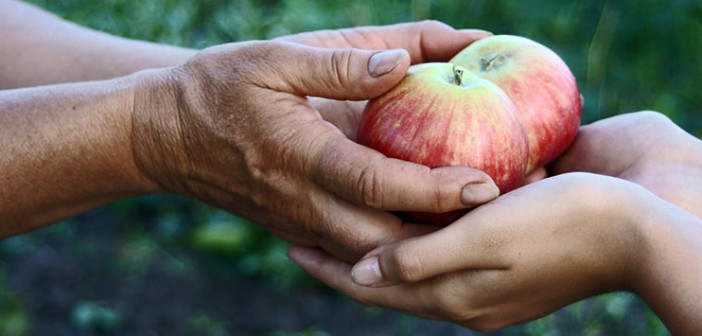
(557, 240)
(230, 126)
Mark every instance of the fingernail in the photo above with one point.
(367, 272)
(385, 61)
(477, 32)
(479, 192)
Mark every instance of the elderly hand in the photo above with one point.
(427, 41)
(234, 127)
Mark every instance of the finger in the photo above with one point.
(367, 177)
(494, 236)
(597, 149)
(331, 271)
(479, 240)
(322, 266)
(536, 175)
(345, 115)
(415, 259)
(351, 74)
(610, 146)
(434, 41)
(335, 274)
(426, 41)
(349, 231)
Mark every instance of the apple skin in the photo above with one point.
(540, 85)
(442, 115)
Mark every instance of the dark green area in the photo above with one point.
(168, 265)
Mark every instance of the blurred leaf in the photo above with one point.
(221, 236)
(14, 320)
(205, 325)
(308, 332)
(95, 316)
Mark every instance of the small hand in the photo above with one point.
(646, 148)
(233, 127)
(519, 257)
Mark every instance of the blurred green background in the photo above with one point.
(164, 265)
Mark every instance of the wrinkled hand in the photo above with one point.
(234, 127)
(646, 148)
(427, 41)
(517, 258)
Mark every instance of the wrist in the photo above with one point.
(667, 276)
(620, 208)
(156, 134)
(100, 135)
(66, 150)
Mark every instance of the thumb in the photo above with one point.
(345, 74)
(453, 248)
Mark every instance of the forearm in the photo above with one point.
(669, 280)
(66, 149)
(40, 48)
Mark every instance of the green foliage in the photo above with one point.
(14, 319)
(205, 325)
(627, 55)
(222, 236)
(95, 316)
(307, 332)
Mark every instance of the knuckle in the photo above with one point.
(340, 66)
(409, 267)
(268, 49)
(443, 183)
(433, 25)
(654, 118)
(452, 310)
(370, 182)
(439, 194)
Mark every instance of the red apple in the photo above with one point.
(539, 84)
(442, 115)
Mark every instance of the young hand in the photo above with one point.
(646, 148)
(517, 258)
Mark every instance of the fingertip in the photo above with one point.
(384, 62)
(367, 272)
(385, 70)
(537, 175)
(475, 187)
(479, 192)
(322, 266)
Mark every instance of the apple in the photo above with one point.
(441, 115)
(540, 85)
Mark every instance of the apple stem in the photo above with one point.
(494, 60)
(457, 75)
